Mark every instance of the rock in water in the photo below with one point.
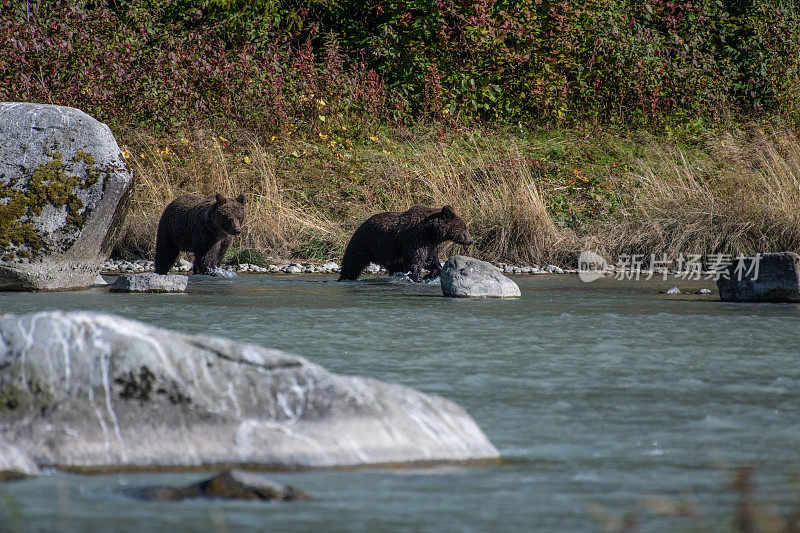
(90, 391)
(772, 277)
(64, 190)
(467, 277)
(230, 485)
(150, 282)
(14, 463)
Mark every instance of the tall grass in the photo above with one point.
(744, 199)
(275, 224)
(733, 193)
(505, 204)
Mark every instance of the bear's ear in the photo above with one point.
(448, 212)
(220, 199)
(240, 199)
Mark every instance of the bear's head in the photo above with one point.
(228, 214)
(452, 227)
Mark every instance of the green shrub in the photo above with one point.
(303, 65)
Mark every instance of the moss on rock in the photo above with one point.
(56, 183)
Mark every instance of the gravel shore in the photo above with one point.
(121, 266)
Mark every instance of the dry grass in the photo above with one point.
(743, 199)
(503, 202)
(752, 510)
(276, 224)
(735, 193)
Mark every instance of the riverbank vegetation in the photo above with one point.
(529, 199)
(627, 126)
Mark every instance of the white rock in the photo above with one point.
(468, 277)
(103, 391)
(15, 464)
(150, 282)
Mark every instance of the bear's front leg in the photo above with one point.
(223, 249)
(206, 259)
(415, 260)
(432, 265)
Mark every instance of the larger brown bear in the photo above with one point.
(205, 226)
(407, 241)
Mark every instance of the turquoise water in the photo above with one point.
(595, 394)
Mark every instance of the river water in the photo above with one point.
(596, 394)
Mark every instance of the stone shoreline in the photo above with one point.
(121, 266)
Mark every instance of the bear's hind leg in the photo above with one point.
(352, 265)
(351, 270)
(166, 254)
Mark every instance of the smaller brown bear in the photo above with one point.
(205, 226)
(405, 241)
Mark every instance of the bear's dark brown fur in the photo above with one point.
(407, 241)
(205, 226)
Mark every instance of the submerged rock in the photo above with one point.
(772, 277)
(468, 277)
(93, 392)
(64, 188)
(230, 485)
(150, 282)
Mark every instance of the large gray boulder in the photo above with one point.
(150, 282)
(96, 392)
(769, 277)
(464, 276)
(64, 189)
